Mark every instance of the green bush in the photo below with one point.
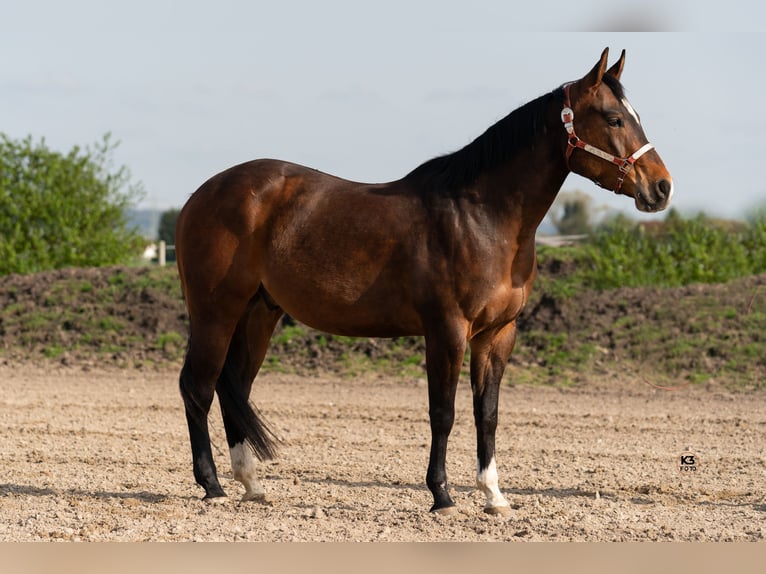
(679, 252)
(63, 210)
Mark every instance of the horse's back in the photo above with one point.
(265, 185)
(258, 176)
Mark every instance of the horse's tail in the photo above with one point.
(243, 415)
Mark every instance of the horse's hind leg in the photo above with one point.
(208, 345)
(246, 353)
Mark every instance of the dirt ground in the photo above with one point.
(104, 456)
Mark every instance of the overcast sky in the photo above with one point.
(368, 92)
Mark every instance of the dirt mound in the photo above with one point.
(112, 314)
(136, 317)
(697, 332)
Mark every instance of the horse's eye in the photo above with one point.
(614, 121)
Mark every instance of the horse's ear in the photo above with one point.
(616, 70)
(593, 79)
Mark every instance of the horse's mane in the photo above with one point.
(452, 172)
(448, 174)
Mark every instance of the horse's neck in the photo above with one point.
(523, 189)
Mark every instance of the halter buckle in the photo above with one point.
(567, 117)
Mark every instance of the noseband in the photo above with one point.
(625, 164)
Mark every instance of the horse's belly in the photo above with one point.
(345, 302)
(356, 320)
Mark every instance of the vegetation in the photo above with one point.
(63, 210)
(680, 252)
(673, 253)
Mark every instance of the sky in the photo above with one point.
(368, 91)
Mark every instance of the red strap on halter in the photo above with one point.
(625, 164)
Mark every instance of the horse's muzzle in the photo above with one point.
(655, 197)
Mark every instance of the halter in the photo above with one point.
(625, 164)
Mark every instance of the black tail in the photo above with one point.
(244, 416)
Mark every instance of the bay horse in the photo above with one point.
(447, 252)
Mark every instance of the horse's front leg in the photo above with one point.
(445, 349)
(489, 356)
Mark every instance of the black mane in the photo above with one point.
(452, 172)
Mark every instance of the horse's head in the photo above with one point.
(609, 146)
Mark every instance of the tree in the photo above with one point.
(167, 231)
(571, 213)
(64, 210)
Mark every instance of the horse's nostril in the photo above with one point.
(664, 188)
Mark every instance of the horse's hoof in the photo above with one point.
(445, 511)
(215, 500)
(254, 497)
(498, 510)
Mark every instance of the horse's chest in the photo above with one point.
(500, 304)
(512, 301)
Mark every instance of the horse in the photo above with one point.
(447, 252)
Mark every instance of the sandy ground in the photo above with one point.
(104, 456)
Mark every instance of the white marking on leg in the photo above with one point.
(243, 468)
(486, 480)
(630, 109)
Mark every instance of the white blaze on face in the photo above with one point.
(633, 113)
(243, 468)
(630, 109)
(486, 480)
